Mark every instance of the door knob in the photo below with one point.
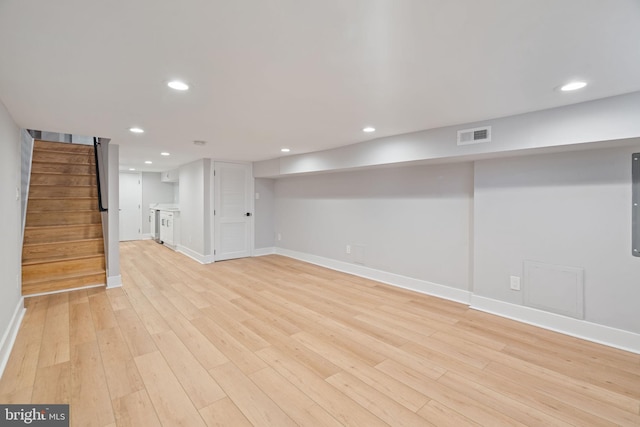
(248, 214)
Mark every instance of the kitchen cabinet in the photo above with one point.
(172, 175)
(170, 228)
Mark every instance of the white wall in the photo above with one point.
(154, 191)
(568, 209)
(195, 208)
(26, 154)
(11, 230)
(111, 219)
(176, 192)
(264, 213)
(470, 226)
(412, 221)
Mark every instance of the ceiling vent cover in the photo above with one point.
(474, 136)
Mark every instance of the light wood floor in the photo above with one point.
(276, 342)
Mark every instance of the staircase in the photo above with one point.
(63, 244)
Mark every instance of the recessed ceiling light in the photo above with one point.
(136, 130)
(148, 162)
(178, 85)
(572, 86)
(132, 169)
(285, 150)
(164, 153)
(368, 129)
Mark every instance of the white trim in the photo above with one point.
(147, 236)
(600, 334)
(114, 282)
(264, 251)
(417, 285)
(202, 259)
(10, 335)
(65, 290)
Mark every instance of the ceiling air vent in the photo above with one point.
(474, 136)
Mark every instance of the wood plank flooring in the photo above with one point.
(273, 341)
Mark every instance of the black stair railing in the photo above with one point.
(100, 173)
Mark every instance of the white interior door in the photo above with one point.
(130, 206)
(233, 211)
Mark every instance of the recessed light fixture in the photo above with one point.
(136, 130)
(572, 86)
(178, 85)
(285, 150)
(132, 169)
(164, 153)
(368, 129)
(148, 162)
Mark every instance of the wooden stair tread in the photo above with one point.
(37, 150)
(64, 198)
(71, 211)
(63, 173)
(39, 211)
(79, 282)
(73, 153)
(63, 277)
(54, 205)
(94, 239)
(62, 233)
(61, 146)
(50, 162)
(67, 167)
(61, 190)
(53, 260)
(40, 155)
(58, 227)
(58, 185)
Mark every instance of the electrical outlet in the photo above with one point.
(515, 283)
(257, 196)
(279, 237)
(348, 249)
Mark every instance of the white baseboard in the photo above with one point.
(147, 236)
(9, 336)
(417, 285)
(264, 251)
(202, 259)
(114, 282)
(594, 332)
(600, 334)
